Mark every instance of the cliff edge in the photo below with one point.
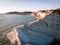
(47, 28)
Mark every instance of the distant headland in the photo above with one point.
(38, 13)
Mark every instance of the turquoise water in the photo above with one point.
(7, 22)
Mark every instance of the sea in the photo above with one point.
(9, 21)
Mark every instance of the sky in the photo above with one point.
(27, 5)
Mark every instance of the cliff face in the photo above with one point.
(42, 13)
(49, 24)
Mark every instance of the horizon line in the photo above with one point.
(27, 10)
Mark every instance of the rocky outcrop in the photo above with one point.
(49, 24)
(42, 13)
(42, 31)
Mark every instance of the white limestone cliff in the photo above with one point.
(48, 25)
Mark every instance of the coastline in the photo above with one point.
(32, 25)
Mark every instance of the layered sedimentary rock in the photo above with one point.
(49, 24)
(47, 28)
(42, 13)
